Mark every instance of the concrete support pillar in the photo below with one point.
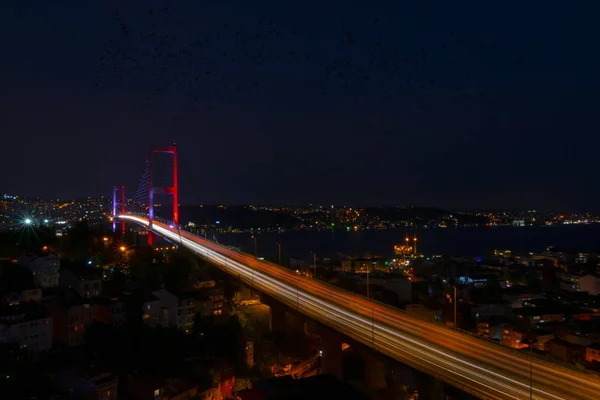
(332, 361)
(430, 388)
(295, 324)
(277, 317)
(310, 327)
(436, 389)
(374, 371)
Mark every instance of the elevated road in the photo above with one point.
(476, 366)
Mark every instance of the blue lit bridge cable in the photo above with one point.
(140, 201)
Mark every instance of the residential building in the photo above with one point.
(85, 284)
(592, 352)
(217, 296)
(590, 284)
(347, 266)
(482, 311)
(539, 315)
(143, 386)
(484, 329)
(152, 311)
(72, 316)
(570, 282)
(204, 306)
(46, 270)
(27, 324)
(178, 309)
(401, 286)
(517, 338)
(199, 284)
(108, 311)
(17, 296)
(566, 351)
(97, 385)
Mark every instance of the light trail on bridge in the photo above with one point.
(484, 369)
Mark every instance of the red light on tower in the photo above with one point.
(173, 190)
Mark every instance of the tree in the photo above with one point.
(590, 268)
(17, 275)
(80, 240)
(176, 277)
(18, 371)
(493, 290)
(202, 324)
(265, 354)
(117, 282)
(231, 340)
(517, 276)
(150, 274)
(533, 281)
(186, 258)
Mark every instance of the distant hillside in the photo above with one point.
(239, 217)
(421, 215)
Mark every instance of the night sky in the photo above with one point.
(486, 105)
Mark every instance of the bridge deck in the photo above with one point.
(462, 360)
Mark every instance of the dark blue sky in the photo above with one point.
(499, 112)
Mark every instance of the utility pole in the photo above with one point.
(372, 328)
(531, 368)
(314, 265)
(368, 284)
(455, 327)
(279, 251)
(254, 238)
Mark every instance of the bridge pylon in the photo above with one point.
(172, 190)
(118, 202)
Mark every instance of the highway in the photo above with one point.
(476, 366)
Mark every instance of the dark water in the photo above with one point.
(455, 241)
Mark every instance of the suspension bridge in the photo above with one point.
(480, 367)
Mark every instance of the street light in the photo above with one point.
(27, 221)
(314, 264)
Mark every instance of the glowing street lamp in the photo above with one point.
(122, 248)
(27, 221)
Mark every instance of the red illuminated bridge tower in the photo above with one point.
(169, 190)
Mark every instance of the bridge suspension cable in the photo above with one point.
(140, 202)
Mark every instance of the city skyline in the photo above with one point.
(487, 130)
(130, 200)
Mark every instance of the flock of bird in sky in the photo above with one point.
(153, 58)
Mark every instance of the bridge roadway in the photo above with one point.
(481, 368)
